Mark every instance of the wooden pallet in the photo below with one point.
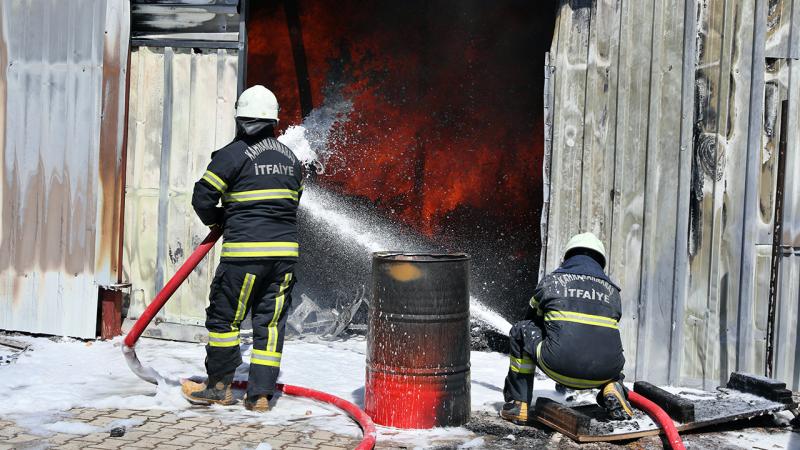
(752, 397)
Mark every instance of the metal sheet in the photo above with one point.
(181, 109)
(211, 21)
(674, 113)
(62, 103)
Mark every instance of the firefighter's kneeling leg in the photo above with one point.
(269, 324)
(523, 339)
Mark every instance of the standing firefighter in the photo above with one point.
(259, 181)
(572, 335)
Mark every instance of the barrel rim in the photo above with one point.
(417, 257)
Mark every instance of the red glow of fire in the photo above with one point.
(445, 122)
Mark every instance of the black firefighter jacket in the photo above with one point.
(259, 181)
(579, 309)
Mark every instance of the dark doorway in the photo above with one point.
(444, 129)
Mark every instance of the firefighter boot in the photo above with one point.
(614, 398)
(214, 391)
(515, 412)
(259, 403)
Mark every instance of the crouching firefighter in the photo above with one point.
(571, 334)
(259, 182)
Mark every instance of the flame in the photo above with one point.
(447, 103)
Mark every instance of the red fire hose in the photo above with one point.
(150, 375)
(661, 417)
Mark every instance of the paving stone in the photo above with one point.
(150, 426)
(10, 430)
(123, 413)
(184, 440)
(322, 435)
(102, 421)
(153, 412)
(74, 445)
(305, 445)
(200, 432)
(184, 425)
(110, 444)
(203, 446)
(22, 437)
(60, 438)
(202, 419)
(146, 442)
(331, 447)
(166, 433)
(169, 447)
(134, 434)
(167, 418)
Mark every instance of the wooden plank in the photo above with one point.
(563, 417)
(791, 201)
(787, 350)
(745, 337)
(682, 213)
(179, 180)
(143, 173)
(783, 29)
(588, 422)
(633, 87)
(660, 191)
(599, 119)
(708, 349)
(570, 56)
(706, 170)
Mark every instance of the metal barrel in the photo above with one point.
(418, 345)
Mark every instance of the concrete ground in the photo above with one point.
(163, 430)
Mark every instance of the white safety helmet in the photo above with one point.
(588, 241)
(257, 102)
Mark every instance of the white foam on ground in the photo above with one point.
(54, 377)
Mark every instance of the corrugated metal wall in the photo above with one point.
(666, 121)
(62, 107)
(182, 102)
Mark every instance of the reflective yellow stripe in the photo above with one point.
(255, 249)
(586, 319)
(522, 365)
(272, 328)
(215, 181)
(265, 358)
(244, 298)
(575, 383)
(534, 302)
(262, 194)
(227, 339)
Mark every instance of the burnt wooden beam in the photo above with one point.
(768, 388)
(562, 416)
(678, 408)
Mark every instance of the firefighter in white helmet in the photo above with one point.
(571, 333)
(259, 182)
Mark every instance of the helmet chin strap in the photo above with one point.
(246, 126)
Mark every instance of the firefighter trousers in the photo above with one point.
(524, 339)
(263, 289)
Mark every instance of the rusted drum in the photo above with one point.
(418, 341)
